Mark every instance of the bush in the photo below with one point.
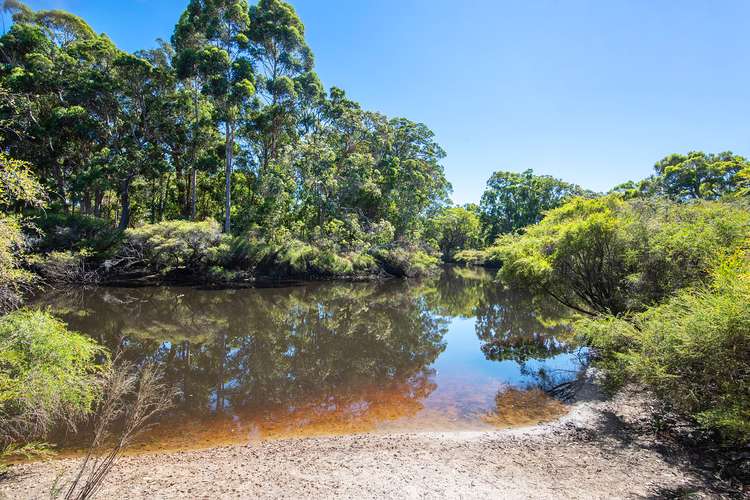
(488, 257)
(66, 267)
(607, 255)
(174, 245)
(14, 280)
(61, 232)
(406, 261)
(693, 351)
(287, 256)
(47, 374)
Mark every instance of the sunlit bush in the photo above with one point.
(607, 255)
(487, 257)
(48, 374)
(406, 261)
(173, 245)
(14, 280)
(693, 351)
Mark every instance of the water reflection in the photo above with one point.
(329, 357)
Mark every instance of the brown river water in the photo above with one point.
(454, 352)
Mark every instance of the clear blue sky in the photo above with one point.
(592, 91)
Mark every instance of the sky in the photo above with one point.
(593, 92)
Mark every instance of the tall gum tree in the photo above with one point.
(287, 88)
(213, 35)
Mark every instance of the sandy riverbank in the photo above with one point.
(595, 451)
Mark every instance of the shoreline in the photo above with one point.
(597, 450)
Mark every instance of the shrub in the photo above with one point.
(172, 245)
(607, 255)
(18, 184)
(47, 374)
(487, 257)
(693, 351)
(281, 254)
(14, 280)
(406, 261)
(61, 232)
(66, 267)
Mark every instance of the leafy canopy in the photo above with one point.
(513, 201)
(607, 255)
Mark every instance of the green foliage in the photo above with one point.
(135, 139)
(612, 256)
(693, 351)
(212, 48)
(18, 183)
(172, 245)
(14, 279)
(47, 374)
(455, 229)
(486, 257)
(283, 255)
(696, 175)
(406, 261)
(513, 201)
(76, 232)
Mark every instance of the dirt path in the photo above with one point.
(591, 453)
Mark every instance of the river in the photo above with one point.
(453, 352)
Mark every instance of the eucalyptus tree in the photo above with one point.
(286, 86)
(359, 163)
(455, 229)
(61, 71)
(513, 201)
(212, 43)
(697, 175)
(138, 127)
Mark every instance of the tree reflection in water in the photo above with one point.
(299, 360)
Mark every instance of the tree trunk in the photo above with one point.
(98, 197)
(228, 173)
(182, 195)
(125, 203)
(86, 203)
(193, 194)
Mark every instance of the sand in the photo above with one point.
(598, 450)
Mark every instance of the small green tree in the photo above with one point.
(48, 375)
(607, 255)
(17, 186)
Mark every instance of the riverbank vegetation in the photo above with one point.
(219, 157)
(216, 157)
(226, 122)
(658, 272)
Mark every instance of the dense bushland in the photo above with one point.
(693, 350)
(607, 255)
(513, 201)
(663, 287)
(199, 251)
(227, 122)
